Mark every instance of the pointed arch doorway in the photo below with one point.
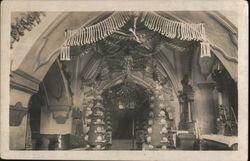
(128, 105)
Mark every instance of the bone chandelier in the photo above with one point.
(152, 20)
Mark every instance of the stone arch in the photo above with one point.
(35, 54)
(170, 73)
(117, 80)
(148, 84)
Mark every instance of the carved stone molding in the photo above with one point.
(234, 38)
(17, 112)
(206, 85)
(24, 82)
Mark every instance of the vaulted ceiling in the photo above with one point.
(43, 41)
(120, 55)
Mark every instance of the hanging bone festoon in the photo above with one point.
(153, 21)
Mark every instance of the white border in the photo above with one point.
(8, 6)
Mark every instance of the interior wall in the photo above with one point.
(205, 99)
(57, 102)
(50, 126)
(19, 96)
(17, 135)
(205, 107)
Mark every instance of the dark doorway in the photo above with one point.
(128, 104)
(34, 120)
(123, 129)
(122, 122)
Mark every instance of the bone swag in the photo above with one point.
(152, 20)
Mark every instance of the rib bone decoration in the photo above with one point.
(174, 29)
(153, 21)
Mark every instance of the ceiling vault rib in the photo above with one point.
(172, 77)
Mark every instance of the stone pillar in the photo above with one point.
(22, 87)
(191, 112)
(205, 107)
(186, 99)
(182, 123)
(77, 135)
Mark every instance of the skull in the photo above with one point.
(150, 130)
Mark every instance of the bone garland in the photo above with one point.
(78, 39)
(192, 33)
(121, 37)
(134, 30)
(92, 34)
(99, 31)
(205, 49)
(153, 27)
(174, 29)
(95, 32)
(161, 24)
(167, 28)
(65, 53)
(105, 34)
(143, 16)
(82, 37)
(155, 22)
(183, 33)
(164, 27)
(89, 35)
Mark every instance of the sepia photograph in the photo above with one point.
(85, 82)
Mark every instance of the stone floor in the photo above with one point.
(122, 145)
